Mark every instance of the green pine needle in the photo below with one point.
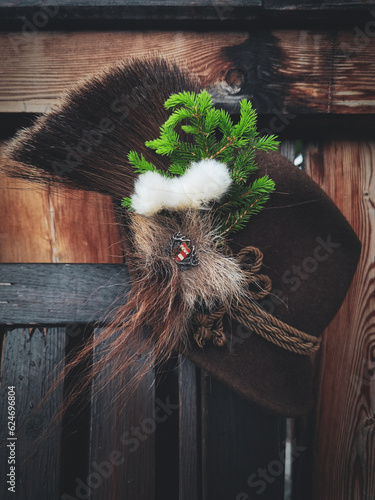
(126, 203)
(139, 163)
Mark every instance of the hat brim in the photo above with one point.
(310, 253)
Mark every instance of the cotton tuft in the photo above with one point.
(203, 182)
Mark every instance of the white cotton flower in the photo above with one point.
(203, 182)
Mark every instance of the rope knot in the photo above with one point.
(210, 327)
(252, 316)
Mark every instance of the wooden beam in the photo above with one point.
(56, 294)
(24, 12)
(283, 72)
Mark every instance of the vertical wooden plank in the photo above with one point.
(84, 227)
(345, 416)
(243, 447)
(59, 225)
(189, 477)
(25, 230)
(167, 430)
(75, 428)
(122, 439)
(302, 456)
(29, 356)
(287, 149)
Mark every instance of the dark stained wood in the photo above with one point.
(60, 293)
(122, 439)
(302, 431)
(29, 14)
(315, 5)
(303, 442)
(75, 422)
(243, 447)
(167, 412)
(266, 4)
(281, 71)
(345, 413)
(190, 447)
(29, 356)
(140, 3)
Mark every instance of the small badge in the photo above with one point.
(182, 251)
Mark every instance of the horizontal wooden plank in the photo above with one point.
(316, 5)
(286, 71)
(137, 3)
(59, 59)
(60, 293)
(191, 4)
(52, 13)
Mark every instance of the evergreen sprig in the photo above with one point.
(214, 136)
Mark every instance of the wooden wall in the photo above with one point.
(295, 77)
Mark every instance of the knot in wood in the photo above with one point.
(234, 80)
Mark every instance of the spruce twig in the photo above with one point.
(215, 136)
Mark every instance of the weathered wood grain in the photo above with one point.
(345, 415)
(28, 358)
(323, 77)
(25, 223)
(287, 71)
(39, 225)
(122, 439)
(53, 294)
(84, 228)
(59, 63)
(56, 225)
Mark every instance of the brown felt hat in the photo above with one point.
(310, 252)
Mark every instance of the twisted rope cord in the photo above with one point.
(252, 316)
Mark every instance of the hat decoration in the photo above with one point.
(208, 180)
(187, 183)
